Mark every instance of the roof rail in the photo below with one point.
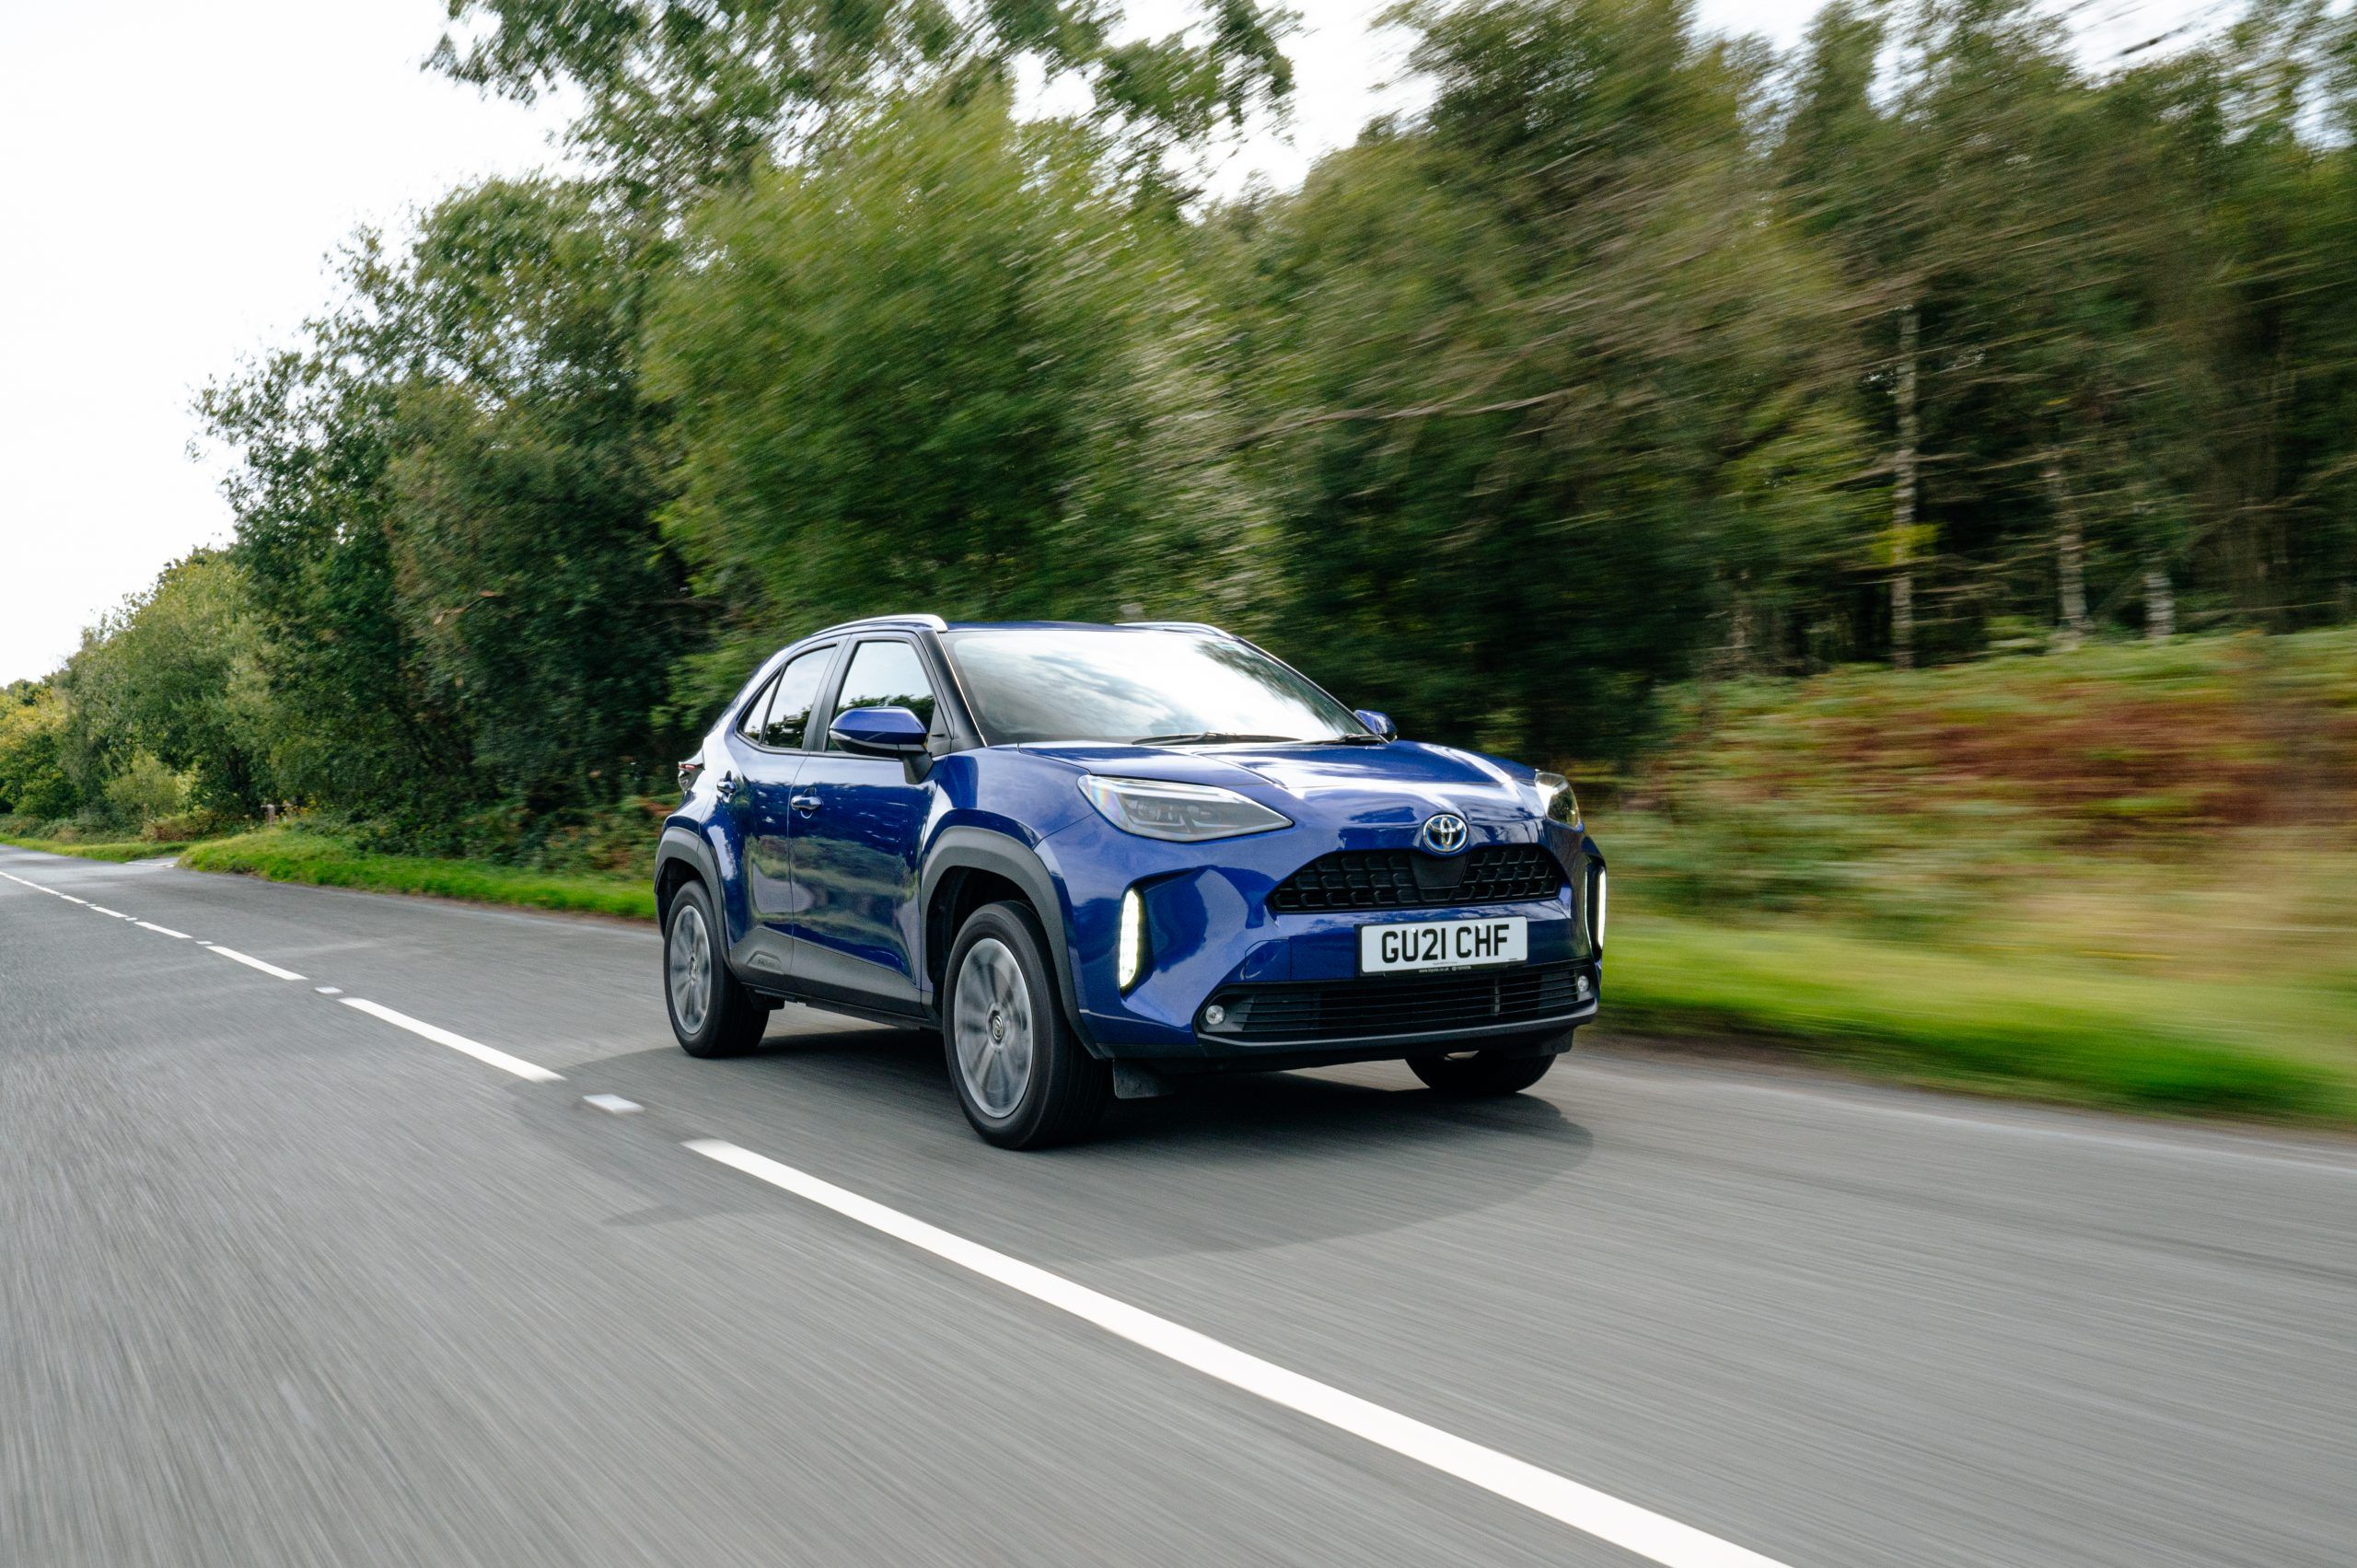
(931, 623)
(1179, 626)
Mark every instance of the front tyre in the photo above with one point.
(1474, 1072)
(1022, 1076)
(712, 1012)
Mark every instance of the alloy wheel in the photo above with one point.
(994, 1028)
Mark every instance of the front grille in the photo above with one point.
(1378, 1005)
(1405, 879)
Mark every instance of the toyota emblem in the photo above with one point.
(1443, 834)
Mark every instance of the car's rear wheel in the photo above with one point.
(1481, 1072)
(1022, 1076)
(712, 1012)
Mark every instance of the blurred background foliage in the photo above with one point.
(1910, 479)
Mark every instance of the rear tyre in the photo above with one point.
(1481, 1072)
(1024, 1078)
(712, 1012)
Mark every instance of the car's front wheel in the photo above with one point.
(1481, 1072)
(1022, 1076)
(712, 1012)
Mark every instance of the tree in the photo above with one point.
(685, 98)
(528, 567)
(940, 367)
(1552, 395)
(173, 677)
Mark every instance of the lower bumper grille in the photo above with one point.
(1375, 1006)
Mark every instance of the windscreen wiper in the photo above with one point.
(1203, 735)
(1370, 738)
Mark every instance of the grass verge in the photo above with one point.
(2046, 1030)
(129, 849)
(289, 856)
(2049, 1029)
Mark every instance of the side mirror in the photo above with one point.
(1379, 722)
(879, 732)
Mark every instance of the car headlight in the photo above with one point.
(1556, 800)
(1182, 812)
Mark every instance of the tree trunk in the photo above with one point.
(1902, 504)
(2070, 561)
(2160, 602)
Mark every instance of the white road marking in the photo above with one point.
(162, 930)
(116, 914)
(458, 1042)
(612, 1104)
(329, 990)
(253, 963)
(68, 898)
(1625, 1524)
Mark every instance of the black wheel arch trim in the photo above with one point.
(679, 844)
(983, 849)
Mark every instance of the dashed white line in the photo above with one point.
(160, 930)
(612, 1105)
(1650, 1535)
(67, 897)
(116, 914)
(329, 990)
(458, 1042)
(253, 963)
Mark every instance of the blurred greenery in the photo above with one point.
(1910, 479)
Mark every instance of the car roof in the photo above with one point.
(1085, 626)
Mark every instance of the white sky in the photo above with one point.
(182, 173)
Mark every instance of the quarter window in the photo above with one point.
(887, 675)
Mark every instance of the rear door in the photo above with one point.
(773, 739)
(857, 824)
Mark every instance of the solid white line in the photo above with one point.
(235, 957)
(481, 1052)
(1625, 1524)
(163, 929)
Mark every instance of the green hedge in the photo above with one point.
(288, 856)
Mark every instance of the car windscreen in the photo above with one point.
(1130, 684)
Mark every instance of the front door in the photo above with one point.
(857, 824)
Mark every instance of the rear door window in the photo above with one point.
(785, 725)
(780, 718)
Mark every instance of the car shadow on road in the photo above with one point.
(1220, 1165)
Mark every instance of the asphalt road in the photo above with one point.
(283, 1283)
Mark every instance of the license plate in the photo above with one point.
(1442, 943)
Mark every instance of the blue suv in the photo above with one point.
(1101, 858)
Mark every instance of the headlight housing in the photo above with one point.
(1556, 798)
(1182, 813)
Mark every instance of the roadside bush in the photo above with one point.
(145, 791)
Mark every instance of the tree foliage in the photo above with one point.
(1640, 351)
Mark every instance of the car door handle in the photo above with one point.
(806, 804)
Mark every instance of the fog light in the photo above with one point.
(1129, 960)
(1214, 1015)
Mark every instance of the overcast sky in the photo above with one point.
(181, 173)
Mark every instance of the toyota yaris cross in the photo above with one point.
(1098, 859)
